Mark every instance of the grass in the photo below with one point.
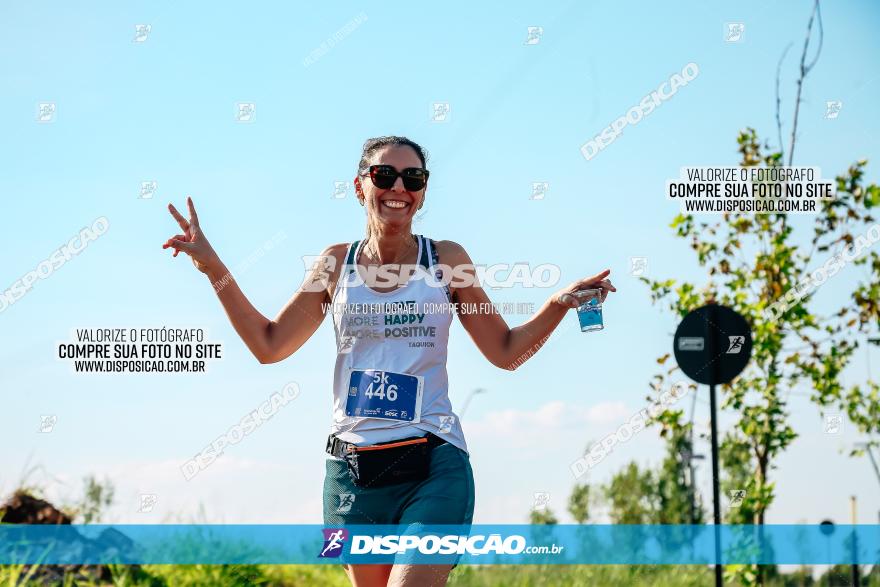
(464, 575)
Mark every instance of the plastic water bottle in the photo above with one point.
(590, 309)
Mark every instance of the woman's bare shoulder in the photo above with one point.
(450, 252)
(336, 252)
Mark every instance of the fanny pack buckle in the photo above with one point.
(335, 446)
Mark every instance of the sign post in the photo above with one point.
(712, 345)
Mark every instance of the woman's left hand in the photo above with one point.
(565, 297)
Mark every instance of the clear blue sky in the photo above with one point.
(163, 110)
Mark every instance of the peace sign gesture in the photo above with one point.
(192, 241)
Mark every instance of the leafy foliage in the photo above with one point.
(542, 516)
(579, 503)
(752, 261)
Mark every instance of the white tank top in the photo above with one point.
(382, 335)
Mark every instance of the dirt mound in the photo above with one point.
(23, 508)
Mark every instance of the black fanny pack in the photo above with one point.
(386, 463)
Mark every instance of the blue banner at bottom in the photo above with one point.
(438, 544)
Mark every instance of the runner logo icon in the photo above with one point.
(736, 343)
(333, 542)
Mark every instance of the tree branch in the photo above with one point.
(805, 69)
(779, 104)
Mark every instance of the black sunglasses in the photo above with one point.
(384, 176)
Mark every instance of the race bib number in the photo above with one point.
(384, 394)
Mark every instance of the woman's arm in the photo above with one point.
(270, 341)
(504, 347)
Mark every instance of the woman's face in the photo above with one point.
(374, 199)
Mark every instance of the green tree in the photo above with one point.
(579, 503)
(542, 516)
(648, 496)
(803, 577)
(674, 489)
(738, 465)
(678, 501)
(761, 267)
(97, 496)
(758, 397)
(631, 496)
(790, 343)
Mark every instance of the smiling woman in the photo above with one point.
(384, 176)
(397, 452)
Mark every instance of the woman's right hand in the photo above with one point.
(193, 241)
